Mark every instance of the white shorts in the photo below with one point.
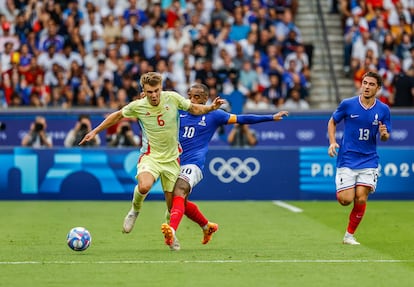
(349, 178)
(191, 174)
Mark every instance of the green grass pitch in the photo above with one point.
(258, 244)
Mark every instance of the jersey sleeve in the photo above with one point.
(182, 103)
(130, 110)
(340, 112)
(253, 119)
(221, 117)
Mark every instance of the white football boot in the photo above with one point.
(129, 221)
(350, 239)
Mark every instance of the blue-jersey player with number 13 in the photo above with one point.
(364, 117)
(195, 135)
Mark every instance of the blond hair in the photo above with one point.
(151, 78)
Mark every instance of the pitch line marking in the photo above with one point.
(287, 206)
(206, 261)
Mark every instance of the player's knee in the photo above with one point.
(144, 188)
(344, 202)
(343, 199)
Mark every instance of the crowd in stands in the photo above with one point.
(91, 53)
(379, 36)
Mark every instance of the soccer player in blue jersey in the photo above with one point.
(157, 113)
(364, 118)
(195, 135)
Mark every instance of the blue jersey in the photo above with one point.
(358, 147)
(195, 134)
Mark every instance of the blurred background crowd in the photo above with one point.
(378, 36)
(91, 53)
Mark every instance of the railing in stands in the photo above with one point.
(327, 47)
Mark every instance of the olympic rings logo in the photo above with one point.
(234, 169)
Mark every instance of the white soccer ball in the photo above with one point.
(79, 239)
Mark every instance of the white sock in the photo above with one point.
(347, 234)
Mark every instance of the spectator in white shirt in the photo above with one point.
(294, 102)
(360, 48)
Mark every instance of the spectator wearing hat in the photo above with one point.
(8, 37)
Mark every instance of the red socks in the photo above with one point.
(356, 216)
(192, 212)
(190, 209)
(177, 211)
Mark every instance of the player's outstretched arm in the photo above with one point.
(106, 123)
(279, 116)
(254, 119)
(199, 109)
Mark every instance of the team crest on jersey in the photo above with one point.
(167, 107)
(203, 121)
(147, 114)
(375, 122)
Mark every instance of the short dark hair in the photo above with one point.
(374, 75)
(202, 87)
